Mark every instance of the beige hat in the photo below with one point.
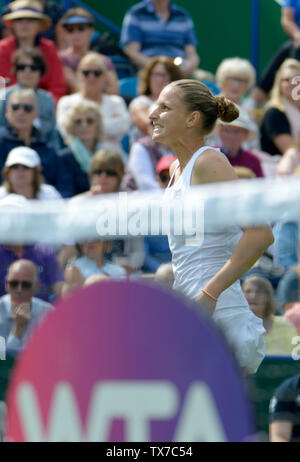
(26, 9)
(243, 121)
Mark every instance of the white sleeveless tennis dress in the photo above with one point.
(194, 265)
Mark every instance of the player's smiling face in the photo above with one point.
(168, 117)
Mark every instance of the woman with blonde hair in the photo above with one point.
(279, 331)
(280, 125)
(83, 136)
(235, 77)
(91, 76)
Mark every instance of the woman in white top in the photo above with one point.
(21, 175)
(209, 273)
(115, 116)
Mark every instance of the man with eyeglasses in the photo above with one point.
(19, 309)
(21, 112)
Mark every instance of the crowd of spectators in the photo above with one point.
(68, 132)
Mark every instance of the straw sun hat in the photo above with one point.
(20, 9)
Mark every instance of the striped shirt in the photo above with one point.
(158, 37)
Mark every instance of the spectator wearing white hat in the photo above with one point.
(22, 175)
(232, 137)
(21, 111)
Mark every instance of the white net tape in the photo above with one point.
(243, 203)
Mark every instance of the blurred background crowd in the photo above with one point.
(74, 107)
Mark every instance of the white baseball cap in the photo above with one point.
(24, 156)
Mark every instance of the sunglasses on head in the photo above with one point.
(96, 72)
(26, 107)
(87, 121)
(25, 285)
(79, 27)
(32, 67)
(107, 172)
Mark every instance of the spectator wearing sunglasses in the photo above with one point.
(84, 134)
(105, 175)
(50, 275)
(21, 111)
(78, 26)
(20, 310)
(91, 75)
(27, 21)
(29, 66)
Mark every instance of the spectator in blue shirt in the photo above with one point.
(159, 27)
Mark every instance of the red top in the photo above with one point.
(52, 81)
